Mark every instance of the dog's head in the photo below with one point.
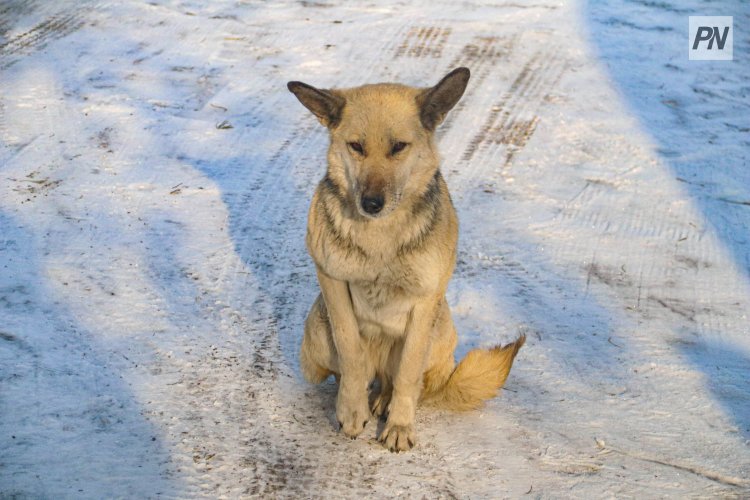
(382, 147)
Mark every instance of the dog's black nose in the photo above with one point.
(372, 204)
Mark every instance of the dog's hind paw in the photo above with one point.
(379, 406)
(398, 437)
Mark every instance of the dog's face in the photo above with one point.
(381, 147)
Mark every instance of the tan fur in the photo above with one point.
(382, 231)
(476, 378)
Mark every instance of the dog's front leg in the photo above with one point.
(398, 434)
(352, 409)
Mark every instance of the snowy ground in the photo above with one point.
(154, 180)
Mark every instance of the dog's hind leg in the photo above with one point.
(318, 357)
(379, 405)
(441, 362)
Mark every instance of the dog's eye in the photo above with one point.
(398, 147)
(356, 147)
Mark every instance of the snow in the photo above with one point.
(154, 181)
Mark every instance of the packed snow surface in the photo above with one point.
(155, 176)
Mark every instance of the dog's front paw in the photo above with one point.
(398, 437)
(352, 415)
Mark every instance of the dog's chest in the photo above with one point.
(382, 291)
(381, 306)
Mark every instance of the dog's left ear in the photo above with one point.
(327, 105)
(434, 103)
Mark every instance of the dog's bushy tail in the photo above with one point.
(477, 378)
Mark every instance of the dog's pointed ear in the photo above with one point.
(327, 105)
(434, 103)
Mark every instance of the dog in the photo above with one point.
(382, 232)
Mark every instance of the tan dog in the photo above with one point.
(382, 231)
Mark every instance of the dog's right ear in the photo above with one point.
(327, 105)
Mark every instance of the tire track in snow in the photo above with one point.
(12, 11)
(512, 121)
(481, 55)
(423, 42)
(52, 28)
(661, 282)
